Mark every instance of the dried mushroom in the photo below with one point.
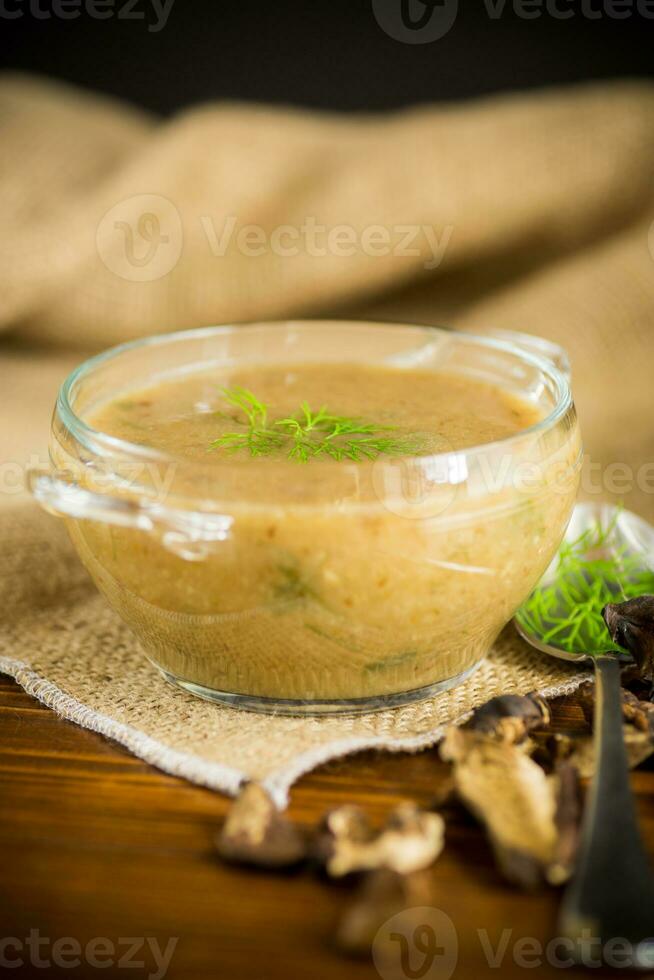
(567, 821)
(383, 893)
(256, 833)
(411, 840)
(509, 717)
(633, 681)
(631, 625)
(638, 745)
(638, 712)
(579, 751)
(523, 808)
(347, 824)
(635, 710)
(551, 748)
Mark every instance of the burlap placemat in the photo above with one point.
(67, 648)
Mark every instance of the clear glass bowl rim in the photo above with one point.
(93, 439)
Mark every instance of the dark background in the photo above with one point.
(319, 53)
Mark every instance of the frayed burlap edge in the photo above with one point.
(215, 775)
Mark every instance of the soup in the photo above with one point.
(335, 581)
(426, 412)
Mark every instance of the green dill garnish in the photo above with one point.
(308, 434)
(567, 613)
(259, 439)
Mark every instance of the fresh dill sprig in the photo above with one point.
(259, 439)
(255, 410)
(567, 613)
(308, 434)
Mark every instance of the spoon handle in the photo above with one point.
(611, 895)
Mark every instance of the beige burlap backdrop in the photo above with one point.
(530, 212)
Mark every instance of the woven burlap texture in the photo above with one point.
(67, 648)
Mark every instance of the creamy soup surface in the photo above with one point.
(321, 602)
(435, 410)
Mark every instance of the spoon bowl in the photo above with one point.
(625, 534)
(611, 895)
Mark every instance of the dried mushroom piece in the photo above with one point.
(509, 717)
(638, 712)
(411, 840)
(345, 826)
(567, 821)
(383, 893)
(551, 748)
(522, 807)
(554, 748)
(256, 833)
(631, 625)
(633, 681)
(638, 744)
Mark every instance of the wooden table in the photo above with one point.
(95, 843)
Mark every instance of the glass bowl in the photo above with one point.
(272, 595)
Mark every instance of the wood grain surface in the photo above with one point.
(97, 845)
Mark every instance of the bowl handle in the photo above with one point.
(547, 349)
(189, 534)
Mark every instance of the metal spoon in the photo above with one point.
(611, 895)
